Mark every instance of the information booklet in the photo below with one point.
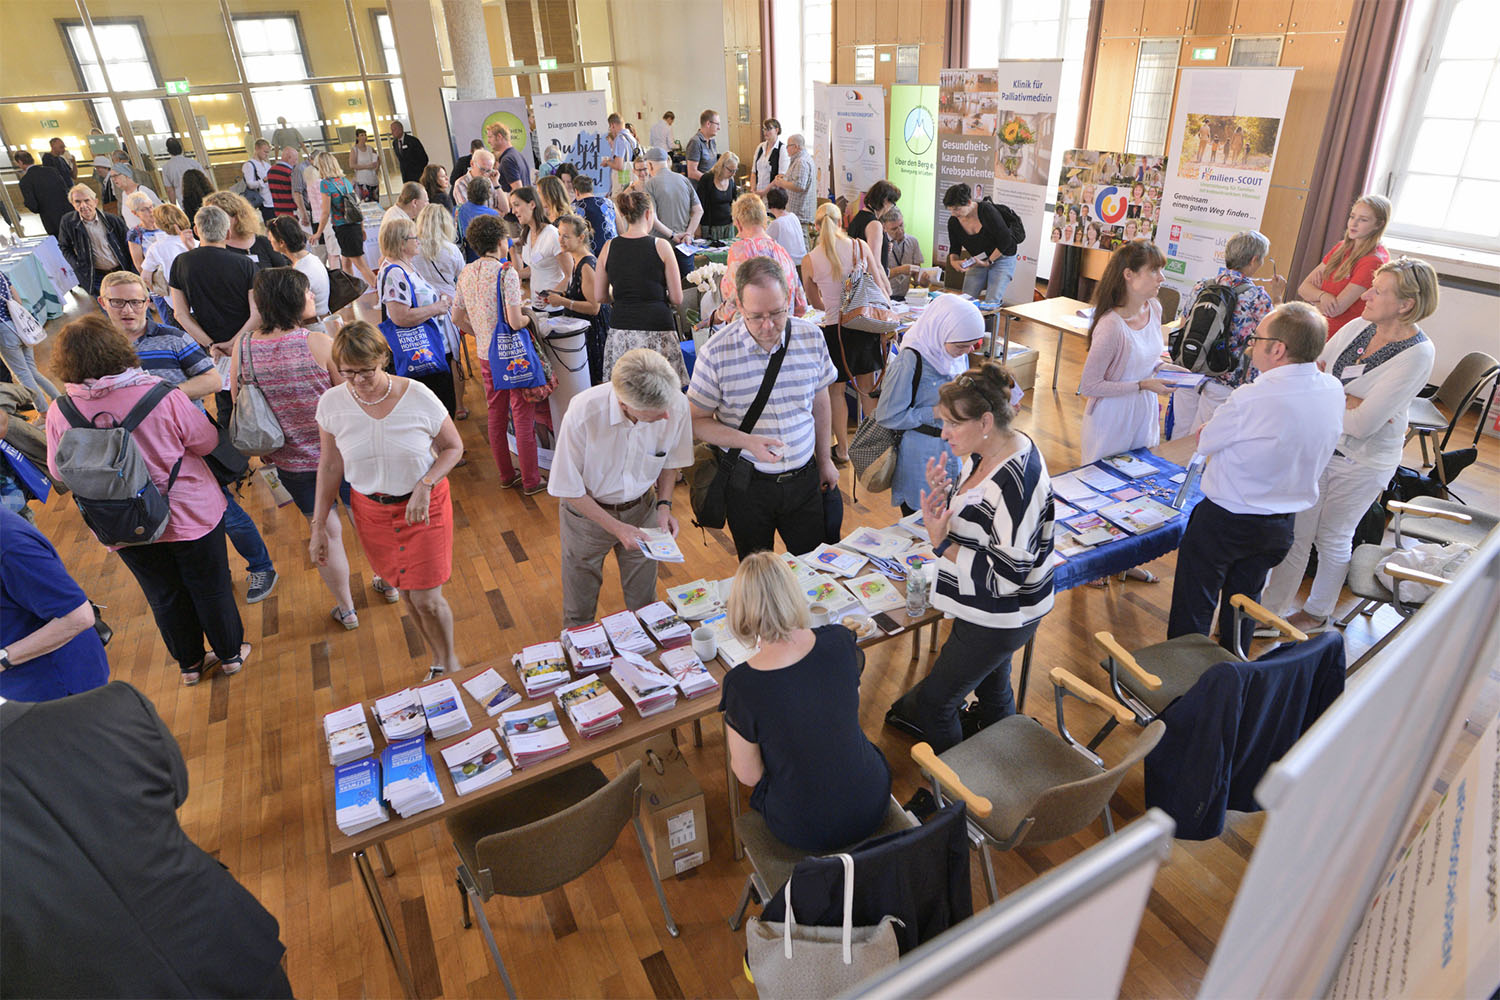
(1139, 516)
(446, 714)
(880, 544)
(913, 525)
(588, 647)
(533, 734)
(1097, 479)
(829, 559)
(732, 652)
(797, 566)
(665, 625)
(921, 555)
(1092, 529)
(492, 691)
(1129, 465)
(877, 593)
(356, 796)
(400, 715)
(695, 600)
(410, 781)
(692, 676)
(659, 545)
(475, 762)
(348, 735)
(626, 633)
(650, 688)
(591, 705)
(827, 591)
(542, 667)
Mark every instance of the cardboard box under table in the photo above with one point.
(673, 808)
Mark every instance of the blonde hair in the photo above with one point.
(244, 219)
(436, 229)
(749, 211)
(170, 219)
(725, 166)
(766, 603)
(1349, 252)
(123, 277)
(393, 234)
(831, 236)
(643, 379)
(360, 343)
(1417, 282)
(554, 196)
(84, 188)
(138, 200)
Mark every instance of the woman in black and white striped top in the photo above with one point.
(993, 535)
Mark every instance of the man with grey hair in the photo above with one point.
(799, 179)
(781, 461)
(482, 164)
(618, 451)
(678, 209)
(211, 288)
(1243, 256)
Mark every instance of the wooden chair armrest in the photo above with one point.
(928, 761)
(1268, 617)
(1416, 510)
(1113, 648)
(1396, 572)
(1063, 679)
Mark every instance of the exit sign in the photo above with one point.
(353, 102)
(1203, 55)
(177, 87)
(49, 123)
(547, 64)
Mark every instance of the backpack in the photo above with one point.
(108, 476)
(1012, 222)
(1201, 345)
(343, 207)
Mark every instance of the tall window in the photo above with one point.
(804, 56)
(1151, 99)
(271, 48)
(128, 67)
(1442, 169)
(817, 54)
(387, 41)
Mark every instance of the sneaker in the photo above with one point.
(349, 619)
(391, 594)
(532, 491)
(512, 482)
(261, 585)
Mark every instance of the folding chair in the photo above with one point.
(1368, 560)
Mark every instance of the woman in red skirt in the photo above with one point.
(391, 438)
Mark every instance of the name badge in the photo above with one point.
(1352, 372)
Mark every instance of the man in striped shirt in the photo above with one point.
(285, 200)
(784, 463)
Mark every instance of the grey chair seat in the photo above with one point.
(1423, 414)
(1362, 566)
(521, 808)
(774, 860)
(1013, 763)
(1178, 662)
(1438, 529)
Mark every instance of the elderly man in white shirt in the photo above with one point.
(618, 451)
(1267, 446)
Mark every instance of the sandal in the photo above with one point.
(235, 664)
(391, 594)
(1142, 574)
(511, 483)
(192, 677)
(434, 672)
(462, 413)
(349, 619)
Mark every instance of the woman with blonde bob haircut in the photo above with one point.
(754, 240)
(791, 715)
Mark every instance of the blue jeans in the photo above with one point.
(245, 537)
(989, 283)
(21, 360)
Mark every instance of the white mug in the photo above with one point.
(705, 645)
(819, 613)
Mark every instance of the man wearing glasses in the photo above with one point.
(784, 463)
(1266, 446)
(703, 148)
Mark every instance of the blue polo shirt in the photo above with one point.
(34, 589)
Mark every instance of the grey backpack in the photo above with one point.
(253, 427)
(108, 476)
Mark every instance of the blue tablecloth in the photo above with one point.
(1124, 553)
(40, 274)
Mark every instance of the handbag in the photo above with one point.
(27, 328)
(865, 306)
(788, 960)
(415, 350)
(253, 427)
(708, 479)
(875, 448)
(344, 288)
(513, 358)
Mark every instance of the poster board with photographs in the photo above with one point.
(1106, 198)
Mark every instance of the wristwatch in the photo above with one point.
(430, 484)
(4, 659)
(663, 503)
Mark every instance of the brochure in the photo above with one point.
(1129, 465)
(695, 600)
(829, 559)
(492, 691)
(660, 545)
(475, 761)
(827, 591)
(1096, 478)
(877, 593)
(1092, 529)
(876, 543)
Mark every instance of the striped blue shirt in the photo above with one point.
(728, 374)
(995, 566)
(170, 354)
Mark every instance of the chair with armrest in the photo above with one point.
(1435, 520)
(1368, 560)
(1150, 679)
(1473, 376)
(1022, 784)
(541, 837)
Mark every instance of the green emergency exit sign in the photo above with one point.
(177, 87)
(1204, 55)
(547, 64)
(49, 123)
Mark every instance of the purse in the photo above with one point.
(865, 306)
(253, 427)
(26, 326)
(344, 288)
(415, 350)
(875, 448)
(708, 479)
(788, 960)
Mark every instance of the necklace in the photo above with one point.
(390, 383)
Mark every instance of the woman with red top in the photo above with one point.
(185, 572)
(1348, 271)
(293, 367)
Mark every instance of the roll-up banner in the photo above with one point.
(469, 119)
(858, 138)
(822, 150)
(912, 164)
(1219, 160)
(561, 117)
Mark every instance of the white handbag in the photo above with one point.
(26, 326)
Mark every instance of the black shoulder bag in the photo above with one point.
(712, 467)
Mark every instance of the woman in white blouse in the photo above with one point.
(157, 266)
(538, 257)
(1383, 360)
(391, 438)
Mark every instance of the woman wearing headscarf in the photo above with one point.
(934, 351)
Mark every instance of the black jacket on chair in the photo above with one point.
(105, 895)
(73, 241)
(46, 193)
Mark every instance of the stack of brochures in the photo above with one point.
(410, 780)
(878, 544)
(698, 599)
(356, 796)
(588, 647)
(400, 715)
(591, 705)
(492, 691)
(649, 688)
(533, 734)
(660, 545)
(446, 715)
(825, 590)
(665, 625)
(691, 675)
(732, 652)
(475, 762)
(348, 735)
(876, 593)
(830, 559)
(542, 667)
(626, 633)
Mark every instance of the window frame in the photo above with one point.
(1169, 94)
(395, 87)
(251, 86)
(65, 27)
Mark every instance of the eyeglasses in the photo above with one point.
(123, 304)
(1274, 340)
(417, 238)
(771, 319)
(351, 374)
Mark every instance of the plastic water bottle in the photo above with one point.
(916, 593)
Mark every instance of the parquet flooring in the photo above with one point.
(255, 753)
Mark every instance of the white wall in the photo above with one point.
(670, 55)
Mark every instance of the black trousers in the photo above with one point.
(759, 505)
(191, 595)
(975, 658)
(1223, 554)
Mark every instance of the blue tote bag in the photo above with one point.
(416, 350)
(514, 362)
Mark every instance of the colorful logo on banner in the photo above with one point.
(918, 131)
(1110, 205)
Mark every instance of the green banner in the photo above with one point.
(913, 158)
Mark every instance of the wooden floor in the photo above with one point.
(255, 753)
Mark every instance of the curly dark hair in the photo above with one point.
(91, 347)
